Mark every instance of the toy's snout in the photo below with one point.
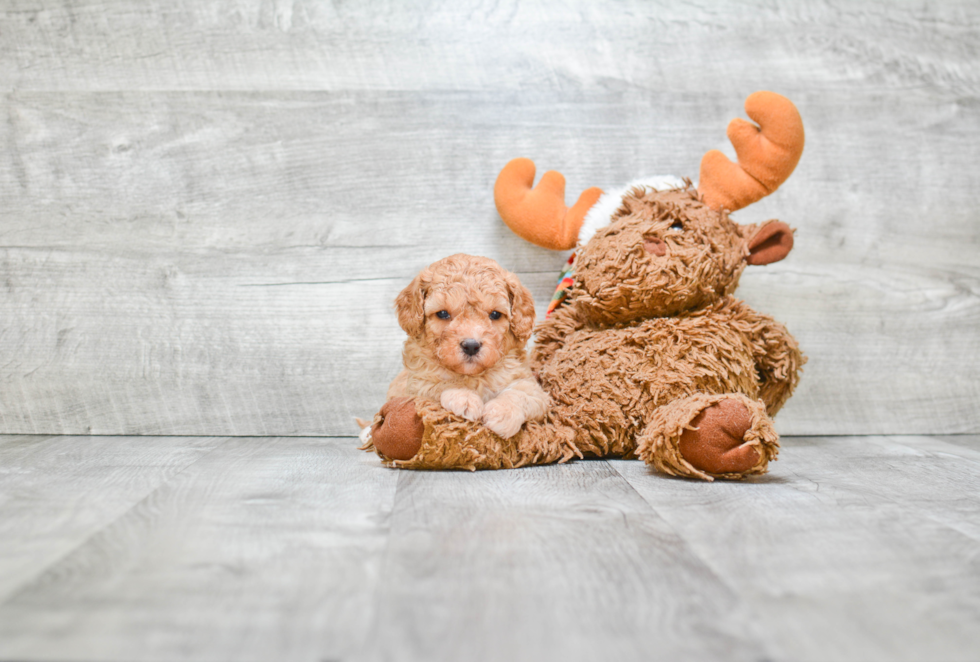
(655, 246)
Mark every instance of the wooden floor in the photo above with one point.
(196, 548)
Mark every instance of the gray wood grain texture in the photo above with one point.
(865, 524)
(81, 484)
(307, 549)
(206, 209)
(509, 45)
(567, 562)
(262, 549)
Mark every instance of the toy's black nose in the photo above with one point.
(471, 347)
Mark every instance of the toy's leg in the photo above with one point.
(420, 434)
(396, 432)
(710, 436)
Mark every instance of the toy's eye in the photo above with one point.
(677, 225)
(443, 314)
(495, 315)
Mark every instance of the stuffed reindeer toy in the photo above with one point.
(646, 353)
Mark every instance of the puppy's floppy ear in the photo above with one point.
(410, 306)
(521, 309)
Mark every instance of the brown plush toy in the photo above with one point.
(649, 355)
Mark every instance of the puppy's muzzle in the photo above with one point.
(471, 347)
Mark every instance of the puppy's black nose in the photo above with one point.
(471, 347)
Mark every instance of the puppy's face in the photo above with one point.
(466, 312)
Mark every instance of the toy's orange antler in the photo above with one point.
(767, 154)
(539, 215)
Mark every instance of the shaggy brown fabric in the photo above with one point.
(452, 442)
(617, 280)
(652, 357)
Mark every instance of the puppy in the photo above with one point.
(468, 321)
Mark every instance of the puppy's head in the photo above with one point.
(466, 312)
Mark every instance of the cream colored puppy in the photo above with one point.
(468, 321)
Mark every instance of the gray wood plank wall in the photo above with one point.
(206, 208)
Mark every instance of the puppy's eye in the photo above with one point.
(495, 315)
(443, 314)
(677, 225)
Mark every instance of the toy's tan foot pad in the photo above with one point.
(398, 436)
(716, 445)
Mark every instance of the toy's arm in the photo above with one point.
(551, 333)
(777, 355)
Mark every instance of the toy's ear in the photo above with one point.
(521, 309)
(770, 242)
(410, 306)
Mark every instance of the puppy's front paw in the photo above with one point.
(463, 402)
(504, 418)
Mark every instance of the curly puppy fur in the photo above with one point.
(468, 322)
(651, 346)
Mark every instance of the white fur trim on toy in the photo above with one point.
(607, 204)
